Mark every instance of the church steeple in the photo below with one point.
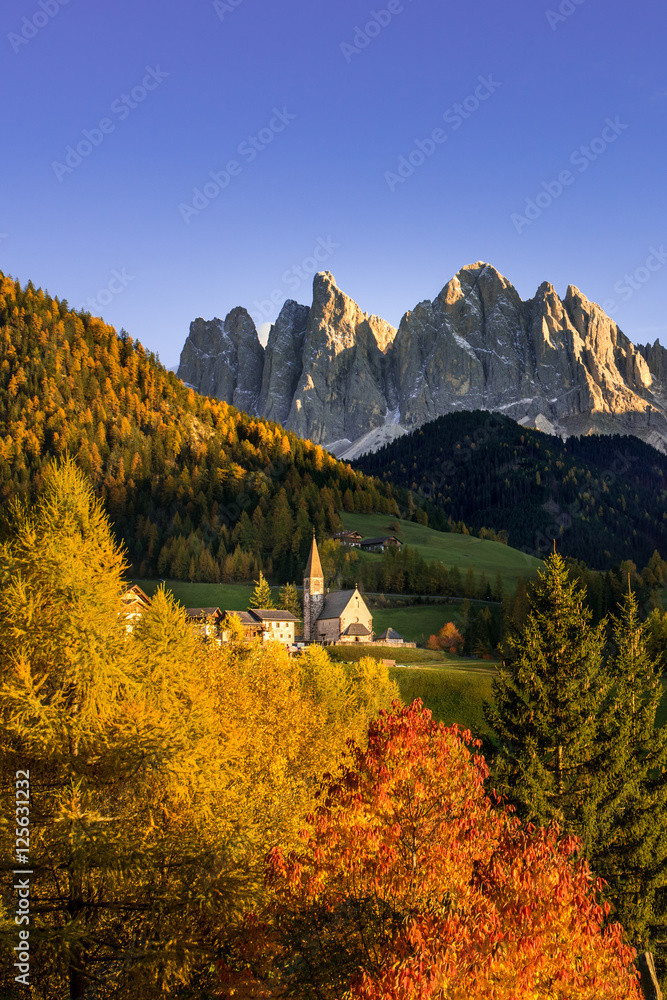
(313, 568)
(313, 593)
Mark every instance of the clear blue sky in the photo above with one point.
(115, 229)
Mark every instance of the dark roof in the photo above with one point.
(347, 534)
(272, 615)
(313, 566)
(390, 633)
(202, 612)
(379, 541)
(335, 604)
(244, 616)
(356, 629)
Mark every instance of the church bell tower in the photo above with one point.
(313, 593)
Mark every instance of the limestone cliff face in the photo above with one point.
(336, 375)
(655, 356)
(561, 365)
(283, 362)
(224, 359)
(342, 390)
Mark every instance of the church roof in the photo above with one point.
(335, 604)
(313, 566)
(356, 628)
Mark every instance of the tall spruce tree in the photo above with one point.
(261, 596)
(631, 852)
(549, 700)
(289, 600)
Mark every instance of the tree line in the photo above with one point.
(162, 769)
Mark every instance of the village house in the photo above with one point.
(352, 538)
(134, 602)
(390, 637)
(277, 626)
(266, 624)
(205, 622)
(252, 628)
(381, 544)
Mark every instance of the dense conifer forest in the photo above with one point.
(601, 497)
(196, 489)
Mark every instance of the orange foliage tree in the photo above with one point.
(414, 883)
(448, 638)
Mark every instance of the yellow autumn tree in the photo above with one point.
(120, 741)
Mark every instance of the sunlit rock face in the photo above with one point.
(340, 377)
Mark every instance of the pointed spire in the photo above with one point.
(313, 568)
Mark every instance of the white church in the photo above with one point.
(338, 617)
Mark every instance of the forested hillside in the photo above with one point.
(602, 498)
(196, 489)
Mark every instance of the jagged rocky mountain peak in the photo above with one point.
(348, 379)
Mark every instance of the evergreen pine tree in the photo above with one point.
(261, 595)
(519, 604)
(289, 600)
(631, 854)
(548, 705)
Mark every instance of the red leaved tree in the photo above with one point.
(413, 884)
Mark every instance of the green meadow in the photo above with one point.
(449, 548)
(226, 596)
(417, 622)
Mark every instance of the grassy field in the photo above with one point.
(452, 695)
(351, 653)
(451, 549)
(453, 688)
(416, 623)
(226, 596)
